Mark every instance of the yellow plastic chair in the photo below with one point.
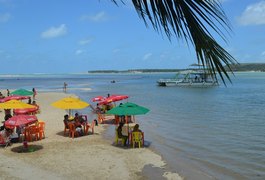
(137, 138)
(117, 139)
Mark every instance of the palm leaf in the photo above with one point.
(192, 21)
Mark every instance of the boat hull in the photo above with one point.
(186, 84)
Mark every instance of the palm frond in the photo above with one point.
(191, 20)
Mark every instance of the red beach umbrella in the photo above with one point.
(26, 110)
(20, 120)
(98, 98)
(113, 98)
(14, 97)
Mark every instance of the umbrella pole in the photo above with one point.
(126, 120)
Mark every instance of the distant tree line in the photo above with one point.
(247, 67)
(235, 67)
(136, 71)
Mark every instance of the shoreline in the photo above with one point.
(85, 157)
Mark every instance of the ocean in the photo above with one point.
(202, 133)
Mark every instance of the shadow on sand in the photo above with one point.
(61, 133)
(22, 149)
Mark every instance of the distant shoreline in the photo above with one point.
(243, 67)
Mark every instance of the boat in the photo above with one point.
(193, 77)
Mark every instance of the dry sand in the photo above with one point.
(86, 157)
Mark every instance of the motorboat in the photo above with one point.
(194, 77)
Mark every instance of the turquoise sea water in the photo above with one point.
(202, 133)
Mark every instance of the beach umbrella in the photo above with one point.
(127, 109)
(15, 104)
(22, 92)
(14, 97)
(98, 98)
(113, 98)
(26, 110)
(70, 103)
(20, 120)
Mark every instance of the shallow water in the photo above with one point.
(201, 132)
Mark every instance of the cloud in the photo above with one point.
(85, 41)
(79, 51)
(54, 32)
(147, 56)
(101, 16)
(4, 17)
(254, 14)
(263, 54)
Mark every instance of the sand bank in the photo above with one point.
(86, 157)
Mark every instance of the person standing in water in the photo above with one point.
(64, 86)
(34, 93)
(8, 92)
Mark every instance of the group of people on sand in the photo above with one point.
(8, 93)
(125, 137)
(13, 133)
(78, 120)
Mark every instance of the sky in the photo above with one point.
(76, 36)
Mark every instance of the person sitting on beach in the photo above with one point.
(1, 95)
(120, 135)
(7, 116)
(34, 103)
(5, 134)
(136, 128)
(38, 107)
(66, 120)
(99, 109)
(29, 101)
(78, 124)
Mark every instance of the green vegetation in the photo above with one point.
(236, 67)
(248, 67)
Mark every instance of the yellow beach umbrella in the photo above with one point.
(15, 104)
(70, 103)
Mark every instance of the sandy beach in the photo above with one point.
(86, 157)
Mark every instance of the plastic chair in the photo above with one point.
(90, 126)
(72, 131)
(41, 130)
(117, 139)
(137, 138)
(100, 118)
(33, 131)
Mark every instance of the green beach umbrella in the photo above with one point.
(22, 92)
(128, 109)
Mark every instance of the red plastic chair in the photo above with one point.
(90, 126)
(72, 131)
(41, 130)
